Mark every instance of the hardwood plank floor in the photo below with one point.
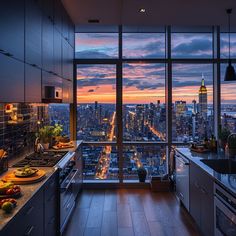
(129, 212)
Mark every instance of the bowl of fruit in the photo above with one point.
(9, 190)
(8, 204)
(25, 171)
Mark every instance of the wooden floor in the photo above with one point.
(128, 212)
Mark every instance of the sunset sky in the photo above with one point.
(145, 83)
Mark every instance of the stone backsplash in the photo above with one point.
(18, 124)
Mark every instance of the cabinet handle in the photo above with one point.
(196, 184)
(30, 210)
(8, 54)
(203, 191)
(29, 231)
(181, 195)
(34, 65)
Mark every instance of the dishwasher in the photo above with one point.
(182, 179)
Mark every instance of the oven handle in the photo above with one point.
(70, 182)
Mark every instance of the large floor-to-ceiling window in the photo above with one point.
(140, 90)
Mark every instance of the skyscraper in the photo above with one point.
(203, 99)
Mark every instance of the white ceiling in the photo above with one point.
(158, 12)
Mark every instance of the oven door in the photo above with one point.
(225, 219)
(67, 198)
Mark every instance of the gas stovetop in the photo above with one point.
(46, 159)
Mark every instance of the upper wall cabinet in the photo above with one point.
(47, 45)
(58, 9)
(33, 32)
(12, 79)
(12, 28)
(32, 84)
(47, 6)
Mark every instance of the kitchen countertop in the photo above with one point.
(30, 189)
(226, 180)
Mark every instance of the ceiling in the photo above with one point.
(158, 12)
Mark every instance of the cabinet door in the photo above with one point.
(12, 80)
(58, 8)
(48, 9)
(57, 52)
(51, 206)
(47, 45)
(195, 193)
(33, 33)
(65, 25)
(207, 204)
(12, 28)
(71, 34)
(32, 84)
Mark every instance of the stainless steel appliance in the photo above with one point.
(224, 212)
(45, 159)
(182, 179)
(70, 179)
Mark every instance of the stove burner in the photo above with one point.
(47, 159)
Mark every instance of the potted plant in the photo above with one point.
(142, 173)
(231, 143)
(45, 135)
(223, 136)
(57, 132)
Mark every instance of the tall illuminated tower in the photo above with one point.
(203, 99)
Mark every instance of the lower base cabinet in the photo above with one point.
(39, 217)
(201, 199)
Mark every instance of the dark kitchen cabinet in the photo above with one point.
(12, 28)
(67, 59)
(202, 199)
(57, 52)
(58, 9)
(40, 215)
(29, 220)
(12, 79)
(65, 25)
(47, 45)
(71, 35)
(51, 206)
(47, 6)
(33, 32)
(33, 83)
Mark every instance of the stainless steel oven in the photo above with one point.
(224, 212)
(70, 184)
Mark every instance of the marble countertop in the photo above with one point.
(30, 189)
(226, 180)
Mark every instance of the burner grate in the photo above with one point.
(48, 159)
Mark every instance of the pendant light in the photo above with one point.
(230, 72)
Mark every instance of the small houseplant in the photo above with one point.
(231, 143)
(45, 135)
(142, 173)
(223, 136)
(57, 132)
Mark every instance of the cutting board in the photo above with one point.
(25, 180)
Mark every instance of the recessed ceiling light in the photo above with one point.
(142, 10)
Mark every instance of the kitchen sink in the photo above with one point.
(223, 166)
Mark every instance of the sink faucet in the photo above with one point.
(38, 147)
